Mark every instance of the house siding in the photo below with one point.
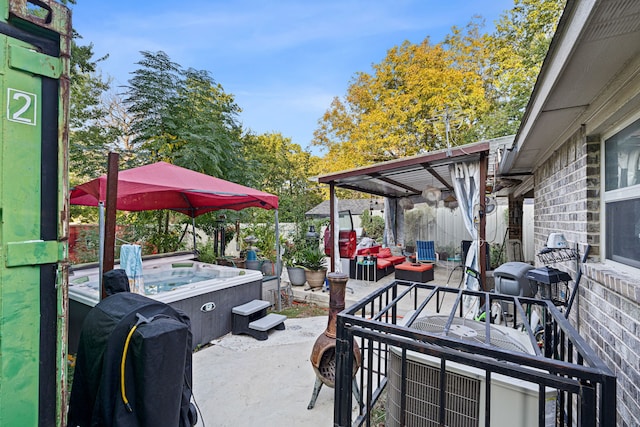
(607, 308)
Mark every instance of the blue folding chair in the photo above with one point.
(426, 251)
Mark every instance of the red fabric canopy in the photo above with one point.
(165, 186)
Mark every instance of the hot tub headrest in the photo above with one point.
(115, 281)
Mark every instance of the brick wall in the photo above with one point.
(567, 194)
(607, 309)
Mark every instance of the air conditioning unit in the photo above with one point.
(514, 402)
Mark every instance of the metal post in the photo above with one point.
(344, 377)
(110, 217)
(332, 225)
(278, 261)
(482, 232)
(193, 223)
(100, 244)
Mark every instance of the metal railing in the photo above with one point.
(408, 374)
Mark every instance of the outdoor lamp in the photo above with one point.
(312, 234)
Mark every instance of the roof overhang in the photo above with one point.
(589, 78)
(408, 176)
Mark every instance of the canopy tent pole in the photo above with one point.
(100, 244)
(278, 261)
(193, 223)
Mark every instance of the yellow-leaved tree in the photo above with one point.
(421, 97)
(424, 97)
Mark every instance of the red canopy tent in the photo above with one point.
(165, 186)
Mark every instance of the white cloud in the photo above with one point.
(284, 60)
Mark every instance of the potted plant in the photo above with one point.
(265, 242)
(312, 258)
(295, 271)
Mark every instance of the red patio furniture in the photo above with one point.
(414, 272)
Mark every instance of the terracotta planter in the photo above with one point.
(315, 278)
(297, 276)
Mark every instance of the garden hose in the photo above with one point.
(141, 319)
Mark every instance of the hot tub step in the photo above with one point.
(252, 319)
(271, 320)
(251, 307)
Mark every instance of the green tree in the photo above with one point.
(207, 137)
(283, 168)
(183, 117)
(89, 139)
(373, 226)
(469, 50)
(152, 101)
(519, 46)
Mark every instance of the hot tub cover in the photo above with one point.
(162, 185)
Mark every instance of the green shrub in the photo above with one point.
(312, 258)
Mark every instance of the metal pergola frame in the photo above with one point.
(407, 177)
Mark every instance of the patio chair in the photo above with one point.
(426, 251)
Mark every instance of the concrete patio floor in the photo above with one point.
(240, 381)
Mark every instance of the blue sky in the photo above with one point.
(284, 61)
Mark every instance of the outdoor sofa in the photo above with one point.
(373, 263)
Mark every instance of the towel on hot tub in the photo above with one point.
(131, 263)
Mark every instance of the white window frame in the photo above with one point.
(618, 195)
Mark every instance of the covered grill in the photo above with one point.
(512, 278)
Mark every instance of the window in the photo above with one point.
(622, 195)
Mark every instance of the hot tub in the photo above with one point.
(205, 292)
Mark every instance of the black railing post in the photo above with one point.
(608, 411)
(443, 392)
(403, 389)
(394, 310)
(344, 375)
(587, 405)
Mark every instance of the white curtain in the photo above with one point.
(400, 227)
(393, 223)
(389, 237)
(466, 183)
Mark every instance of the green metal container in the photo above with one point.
(34, 64)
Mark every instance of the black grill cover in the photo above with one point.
(158, 370)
